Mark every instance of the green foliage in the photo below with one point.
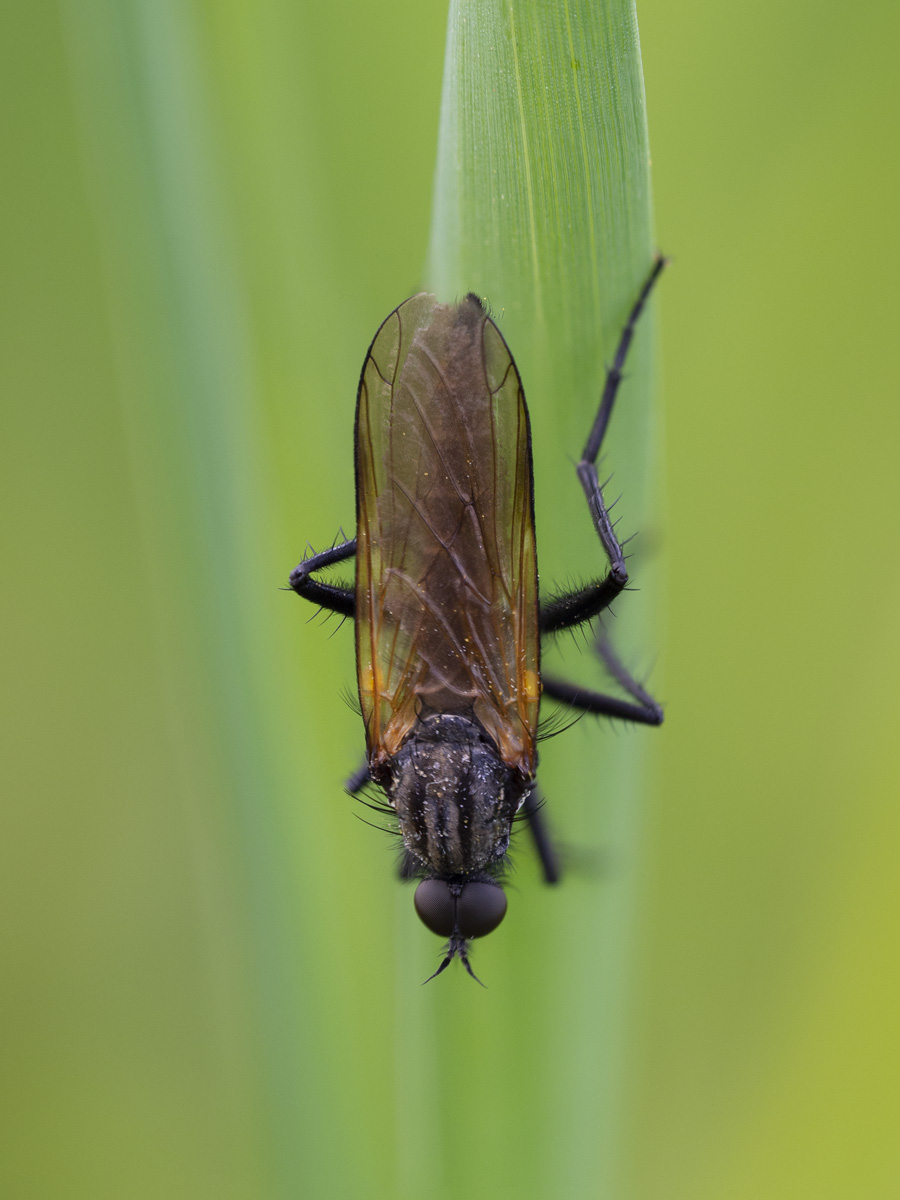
(543, 206)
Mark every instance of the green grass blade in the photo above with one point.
(542, 204)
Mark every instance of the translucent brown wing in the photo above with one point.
(446, 576)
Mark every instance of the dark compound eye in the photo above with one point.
(436, 906)
(480, 909)
(477, 911)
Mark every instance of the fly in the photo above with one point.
(446, 609)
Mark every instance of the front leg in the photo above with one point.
(326, 595)
(532, 811)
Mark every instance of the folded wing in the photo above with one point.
(446, 587)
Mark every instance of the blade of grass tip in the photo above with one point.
(543, 205)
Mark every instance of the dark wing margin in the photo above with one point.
(446, 588)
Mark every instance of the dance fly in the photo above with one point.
(446, 607)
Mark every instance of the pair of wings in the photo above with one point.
(446, 574)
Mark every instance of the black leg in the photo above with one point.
(358, 779)
(574, 608)
(623, 676)
(602, 705)
(542, 843)
(590, 601)
(645, 710)
(326, 595)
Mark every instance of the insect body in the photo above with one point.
(448, 622)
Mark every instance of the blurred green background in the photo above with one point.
(210, 977)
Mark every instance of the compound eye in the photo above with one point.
(436, 906)
(480, 909)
